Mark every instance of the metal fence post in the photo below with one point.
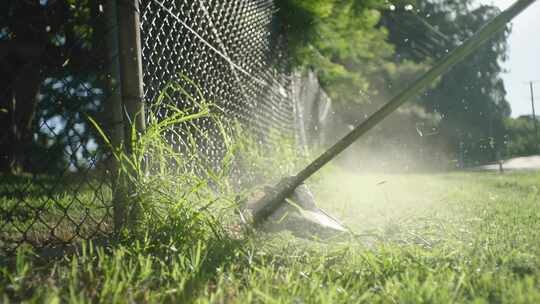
(113, 109)
(131, 66)
(131, 80)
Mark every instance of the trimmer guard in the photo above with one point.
(300, 215)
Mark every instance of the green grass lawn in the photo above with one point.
(436, 238)
(49, 210)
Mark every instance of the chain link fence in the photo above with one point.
(52, 189)
(228, 52)
(55, 185)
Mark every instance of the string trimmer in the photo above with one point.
(291, 189)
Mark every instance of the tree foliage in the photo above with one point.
(522, 136)
(340, 40)
(51, 59)
(366, 51)
(470, 98)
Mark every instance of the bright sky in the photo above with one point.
(523, 63)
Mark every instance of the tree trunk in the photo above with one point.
(6, 125)
(21, 79)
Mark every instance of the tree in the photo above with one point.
(471, 97)
(340, 40)
(53, 40)
(522, 137)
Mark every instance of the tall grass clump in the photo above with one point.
(177, 195)
(182, 229)
(169, 202)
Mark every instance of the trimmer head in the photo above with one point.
(299, 214)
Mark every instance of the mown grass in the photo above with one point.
(50, 210)
(458, 237)
(438, 238)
